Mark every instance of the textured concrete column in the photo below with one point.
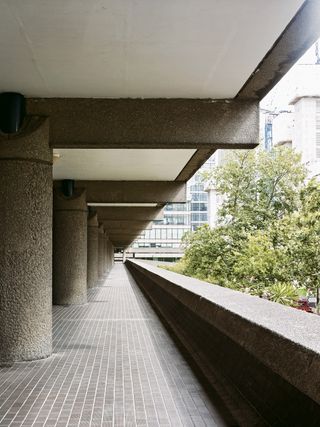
(93, 251)
(105, 253)
(25, 244)
(101, 252)
(69, 248)
(111, 254)
(108, 255)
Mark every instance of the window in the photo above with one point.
(196, 187)
(177, 219)
(199, 217)
(197, 207)
(176, 207)
(199, 197)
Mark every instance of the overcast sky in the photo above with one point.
(284, 91)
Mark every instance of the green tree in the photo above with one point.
(286, 253)
(258, 186)
(267, 241)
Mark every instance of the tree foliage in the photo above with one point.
(267, 241)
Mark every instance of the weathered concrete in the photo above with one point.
(124, 230)
(132, 191)
(261, 357)
(101, 252)
(110, 254)
(124, 234)
(296, 39)
(105, 249)
(125, 225)
(26, 244)
(129, 213)
(93, 251)
(195, 163)
(69, 248)
(149, 123)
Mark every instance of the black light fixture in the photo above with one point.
(67, 187)
(12, 111)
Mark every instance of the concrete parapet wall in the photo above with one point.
(262, 358)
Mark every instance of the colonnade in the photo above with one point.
(52, 249)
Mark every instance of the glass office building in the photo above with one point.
(179, 218)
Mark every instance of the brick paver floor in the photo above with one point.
(114, 364)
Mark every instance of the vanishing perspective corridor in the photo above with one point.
(114, 364)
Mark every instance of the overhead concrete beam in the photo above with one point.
(133, 191)
(195, 163)
(125, 236)
(122, 244)
(129, 213)
(121, 225)
(299, 35)
(149, 123)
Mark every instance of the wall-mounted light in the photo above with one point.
(12, 111)
(67, 187)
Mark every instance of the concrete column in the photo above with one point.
(101, 252)
(93, 251)
(26, 244)
(69, 248)
(106, 253)
(110, 255)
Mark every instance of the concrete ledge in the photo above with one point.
(261, 357)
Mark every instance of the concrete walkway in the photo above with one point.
(114, 364)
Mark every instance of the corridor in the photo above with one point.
(114, 364)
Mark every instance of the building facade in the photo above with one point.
(164, 240)
(300, 127)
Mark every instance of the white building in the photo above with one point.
(290, 116)
(300, 128)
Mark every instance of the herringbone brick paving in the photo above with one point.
(114, 364)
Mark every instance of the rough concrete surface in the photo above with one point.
(69, 248)
(132, 191)
(149, 123)
(26, 245)
(259, 354)
(93, 251)
(101, 252)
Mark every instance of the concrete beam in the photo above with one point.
(195, 163)
(123, 237)
(133, 191)
(129, 213)
(300, 34)
(123, 225)
(121, 243)
(149, 123)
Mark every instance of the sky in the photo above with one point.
(280, 96)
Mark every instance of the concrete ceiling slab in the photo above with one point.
(129, 213)
(130, 48)
(120, 164)
(124, 205)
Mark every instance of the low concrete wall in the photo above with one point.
(263, 359)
